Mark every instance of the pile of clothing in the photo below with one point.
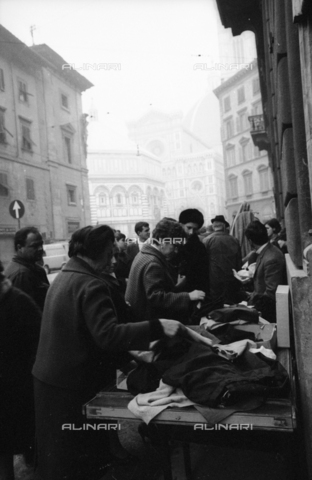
(201, 369)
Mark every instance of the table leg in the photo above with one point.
(187, 460)
(159, 441)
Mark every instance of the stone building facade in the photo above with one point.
(42, 143)
(192, 168)
(248, 176)
(126, 187)
(283, 31)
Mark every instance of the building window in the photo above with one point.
(242, 121)
(256, 109)
(245, 151)
(71, 195)
(4, 188)
(72, 227)
(241, 95)
(68, 148)
(233, 187)
(248, 183)
(119, 199)
(264, 179)
(227, 104)
(2, 127)
(134, 198)
(2, 86)
(22, 92)
(64, 101)
(256, 152)
(103, 199)
(255, 86)
(30, 189)
(229, 128)
(27, 143)
(230, 157)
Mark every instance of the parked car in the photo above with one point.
(55, 256)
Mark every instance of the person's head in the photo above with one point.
(256, 233)
(28, 244)
(219, 224)
(94, 245)
(191, 220)
(142, 230)
(273, 227)
(209, 229)
(110, 267)
(121, 242)
(168, 236)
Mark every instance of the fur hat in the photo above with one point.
(191, 215)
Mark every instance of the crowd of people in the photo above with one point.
(61, 343)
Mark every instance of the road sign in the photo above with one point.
(16, 209)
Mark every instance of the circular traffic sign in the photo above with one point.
(16, 209)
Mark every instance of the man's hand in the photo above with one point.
(238, 277)
(172, 327)
(197, 295)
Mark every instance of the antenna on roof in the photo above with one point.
(32, 28)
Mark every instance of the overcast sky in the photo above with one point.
(154, 44)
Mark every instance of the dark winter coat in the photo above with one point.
(80, 328)
(30, 278)
(224, 255)
(19, 336)
(151, 288)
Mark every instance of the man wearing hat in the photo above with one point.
(224, 254)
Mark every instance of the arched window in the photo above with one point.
(119, 200)
(134, 198)
(102, 199)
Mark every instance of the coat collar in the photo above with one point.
(78, 265)
(148, 249)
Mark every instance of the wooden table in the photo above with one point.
(276, 415)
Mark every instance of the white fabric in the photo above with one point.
(148, 405)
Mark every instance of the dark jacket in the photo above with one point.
(150, 289)
(224, 255)
(270, 271)
(131, 252)
(19, 336)
(80, 328)
(30, 278)
(195, 264)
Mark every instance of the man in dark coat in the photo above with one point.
(151, 289)
(80, 330)
(270, 270)
(19, 336)
(193, 255)
(224, 255)
(23, 270)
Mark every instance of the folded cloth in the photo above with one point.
(235, 312)
(148, 405)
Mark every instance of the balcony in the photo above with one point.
(258, 132)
